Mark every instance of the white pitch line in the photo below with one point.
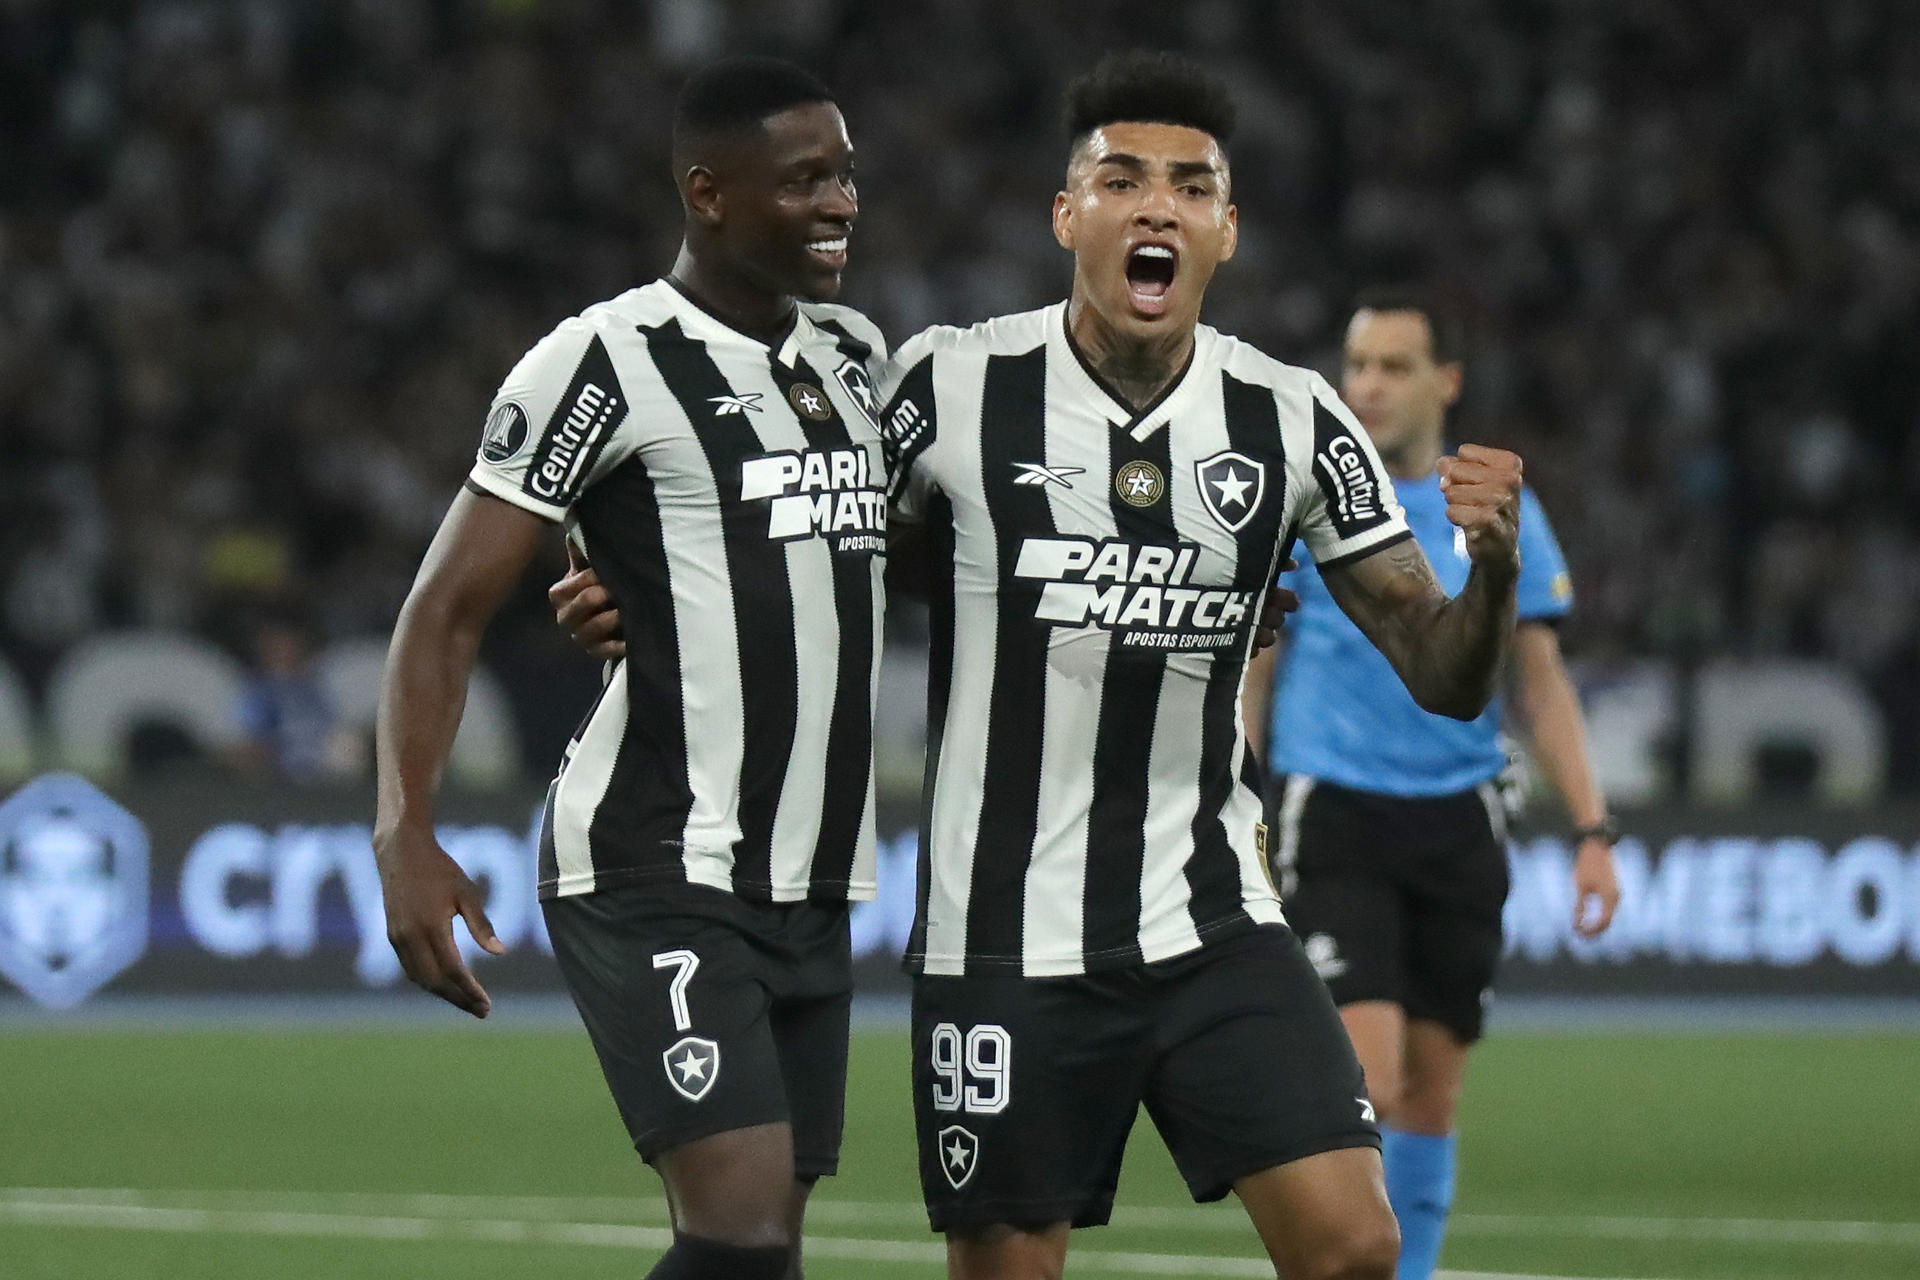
(116, 1213)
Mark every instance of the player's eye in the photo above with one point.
(1119, 184)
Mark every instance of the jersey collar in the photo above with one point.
(1065, 354)
(700, 322)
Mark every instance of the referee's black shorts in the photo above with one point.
(710, 1013)
(1396, 898)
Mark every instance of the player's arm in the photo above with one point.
(1549, 710)
(483, 546)
(1448, 652)
(1256, 700)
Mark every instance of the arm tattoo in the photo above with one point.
(1447, 651)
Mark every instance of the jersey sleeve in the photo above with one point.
(908, 425)
(1545, 590)
(552, 420)
(1349, 510)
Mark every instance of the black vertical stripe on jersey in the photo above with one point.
(595, 369)
(1013, 415)
(940, 636)
(849, 764)
(1213, 876)
(762, 599)
(908, 425)
(1123, 740)
(641, 821)
(548, 860)
(850, 347)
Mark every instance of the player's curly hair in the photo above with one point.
(1150, 86)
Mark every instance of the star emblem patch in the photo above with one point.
(1231, 488)
(693, 1064)
(959, 1155)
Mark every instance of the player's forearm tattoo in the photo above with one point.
(1447, 651)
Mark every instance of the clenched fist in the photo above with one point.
(1482, 489)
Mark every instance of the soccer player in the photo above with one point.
(709, 440)
(1391, 836)
(1103, 491)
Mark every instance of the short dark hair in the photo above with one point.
(1448, 334)
(736, 94)
(1149, 86)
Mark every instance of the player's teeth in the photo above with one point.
(828, 246)
(1154, 251)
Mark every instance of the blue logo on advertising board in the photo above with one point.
(73, 889)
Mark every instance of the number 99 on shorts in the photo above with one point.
(972, 1072)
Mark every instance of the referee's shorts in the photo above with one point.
(1396, 898)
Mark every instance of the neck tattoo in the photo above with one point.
(1138, 376)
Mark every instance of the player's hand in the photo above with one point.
(585, 610)
(1482, 489)
(1596, 888)
(424, 890)
(1279, 602)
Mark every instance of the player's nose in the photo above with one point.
(839, 201)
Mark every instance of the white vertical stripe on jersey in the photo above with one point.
(1056, 883)
(692, 532)
(584, 783)
(796, 819)
(963, 751)
(1166, 925)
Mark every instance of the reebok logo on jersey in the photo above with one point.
(1139, 592)
(830, 493)
(1034, 473)
(1346, 476)
(744, 403)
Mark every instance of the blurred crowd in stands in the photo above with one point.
(263, 263)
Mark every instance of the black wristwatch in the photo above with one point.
(1608, 829)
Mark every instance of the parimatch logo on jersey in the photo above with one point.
(821, 493)
(1140, 593)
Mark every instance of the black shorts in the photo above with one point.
(711, 1013)
(1396, 898)
(1025, 1088)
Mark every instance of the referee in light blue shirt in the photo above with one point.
(1389, 840)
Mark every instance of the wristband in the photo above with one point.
(1607, 829)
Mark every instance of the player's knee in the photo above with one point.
(1366, 1251)
(694, 1257)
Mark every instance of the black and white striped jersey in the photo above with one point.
(1091, 799)
(732, 499)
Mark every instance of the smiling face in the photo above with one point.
(1147, 217)
(780, 202)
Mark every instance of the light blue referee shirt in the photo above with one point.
(1340, 712)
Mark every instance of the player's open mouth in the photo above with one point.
(831, 253)
(1150, 272)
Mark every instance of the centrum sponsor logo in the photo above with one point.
(566, 447)
(1356, 492)
(831, 493)
(1140, 592)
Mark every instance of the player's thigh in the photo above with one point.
(810, 1020)
(1453, 924)
(678, 1015)
(1255, 1069)
(1324, 1215)
(1024, 1092)
(1004, 1252)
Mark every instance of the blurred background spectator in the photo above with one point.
(262, 264)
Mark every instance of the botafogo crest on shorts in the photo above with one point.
(731, 497)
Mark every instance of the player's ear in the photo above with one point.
(700, 192)
(1063, 220)
(1232, 240)
(1451, 375)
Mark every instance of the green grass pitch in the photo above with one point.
(492, 1151)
